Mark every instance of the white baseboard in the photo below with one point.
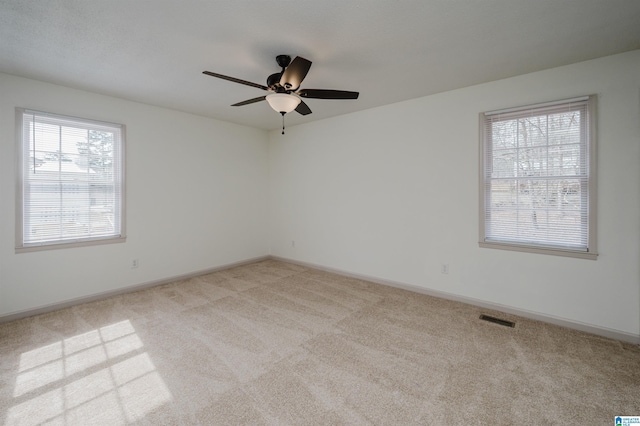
(588, 328)
(128, 289)
(576, 325)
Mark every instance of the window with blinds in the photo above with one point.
(538, 178)
(71, 181)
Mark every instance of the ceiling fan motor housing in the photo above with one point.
(273, 81)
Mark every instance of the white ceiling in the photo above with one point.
(154, 51)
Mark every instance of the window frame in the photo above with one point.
(591, 252)
(20, 245)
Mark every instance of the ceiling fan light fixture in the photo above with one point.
(283, 102)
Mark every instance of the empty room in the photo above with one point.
(319, 212)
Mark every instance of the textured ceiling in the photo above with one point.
(155, 51)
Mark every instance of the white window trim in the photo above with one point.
(20, 246)
(592, 253)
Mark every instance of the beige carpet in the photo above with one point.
(275, 343)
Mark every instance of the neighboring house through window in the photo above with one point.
(71, 181)
(538, 178)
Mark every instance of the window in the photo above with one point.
(537, 178)
(71, 181)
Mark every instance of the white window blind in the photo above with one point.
(72, 180)
(537, 183)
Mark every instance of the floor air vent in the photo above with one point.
(497, 321)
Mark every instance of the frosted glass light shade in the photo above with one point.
(283, 102)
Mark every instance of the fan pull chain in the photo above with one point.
(283, 122)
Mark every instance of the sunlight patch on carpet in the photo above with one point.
(116, 382)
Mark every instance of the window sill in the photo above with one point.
(540, 250)
(85, 243)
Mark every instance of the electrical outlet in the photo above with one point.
(134, 263)
(444, 268)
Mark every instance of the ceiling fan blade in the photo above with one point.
(327, 94)
(235, 80)
(251, 101)
(295, 73)
(303, 109)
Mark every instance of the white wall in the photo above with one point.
(196, 199)
(392, 193)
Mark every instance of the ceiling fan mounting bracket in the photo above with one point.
(283, 61)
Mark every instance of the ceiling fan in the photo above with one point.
(285, 89)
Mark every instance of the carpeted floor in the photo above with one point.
(280, 344)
